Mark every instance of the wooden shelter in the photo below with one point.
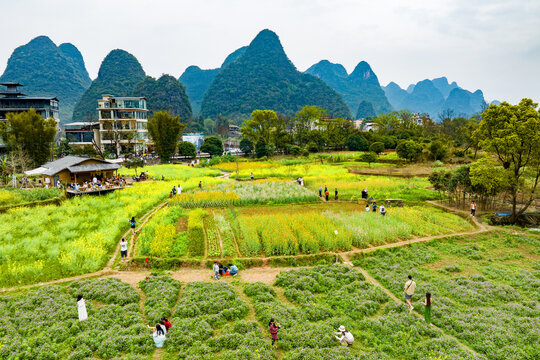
(75, 169)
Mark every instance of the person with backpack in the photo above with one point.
(132, 224)
(473, 209)
(408, 291)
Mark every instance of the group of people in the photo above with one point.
(221, 270)
(408, 292)
(176, 190)
(300, 181)
(160, 330)
(344, 336)
(96, 184)
(382, 209)
(327, 193)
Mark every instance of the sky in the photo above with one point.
(492, 45)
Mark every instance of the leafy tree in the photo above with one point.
(246, 146)
(261, 149)
(222, 125)
(264, 125)
(165, 131)
(185, 148)
(357, 143)
(209, 127)
(304, 121)
(29, 130)
(336, 131)
(213, 146)
(512, 133)
(437, 150)
(409, 149)
(369, 157)
(134, 163)
(377, 147)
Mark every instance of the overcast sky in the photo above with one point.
(492, 45)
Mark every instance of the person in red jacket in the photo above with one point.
(166, 323)
(273, 330)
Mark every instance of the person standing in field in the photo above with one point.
(132, 223)
(326, 194)
(374, 207)
(123, 249)
(335, 194)
(325, 188)
(427, 308)
(408, 291)
(273, 330)
(179, 189)
(320, 191)
(216, 270)
(251, 176)
(200, 184)
(473, 209)
(81, 308)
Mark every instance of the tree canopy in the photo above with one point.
(165, 131)
(213, 146)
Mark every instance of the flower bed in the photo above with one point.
(161, 294)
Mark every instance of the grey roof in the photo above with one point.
(93, 167)
(54, 167)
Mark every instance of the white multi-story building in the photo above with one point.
(123, 123)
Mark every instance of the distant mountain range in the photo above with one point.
(258, 76)
(49, 70)
(361, 86)
(435, 97)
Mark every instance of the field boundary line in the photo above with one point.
(218, 233)
(373, 281)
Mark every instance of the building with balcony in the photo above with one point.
(83, 133)
(14, 101)
(123, 123)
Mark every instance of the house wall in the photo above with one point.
(67, 177)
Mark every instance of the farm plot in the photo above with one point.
(12, 197)
(43, 324)
(332, 227)
(325, 297)
(210, 323)
(245, 193)
(485, 289)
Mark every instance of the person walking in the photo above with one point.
(325, 188)
(273, 330)
(162, 178)
(408, 291)
(473, 209)
(427, 308)
(344, 336)
(320, 191)
(326, 194)
(216, 270)
(132, 223)
(174, 190)
(251, 176)
(81, 308)
(200, 185)
(335, 194)
(382, 210)
(180, 189)
(123, 249)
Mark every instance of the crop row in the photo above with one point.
(161, 295)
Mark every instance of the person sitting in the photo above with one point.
(166, 323)
(159, 334)
(233, 269)
(224, 271)
(344, 336)
(382, 210)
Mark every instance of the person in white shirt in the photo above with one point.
(216, 270)
(81, 308)
(179, 190)
(123, 249)
(382, 210)
(344, 336)
(408, 290)
(94, 180)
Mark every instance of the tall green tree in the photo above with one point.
(409, 149)
(512, 134)
(185, 148)
(213, 146)
(165, 130)
(246, 146)
(30, 131)
(337, 131)
(222, 126)
(304, 121)
(264, 125)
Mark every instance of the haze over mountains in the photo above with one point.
(258, 76)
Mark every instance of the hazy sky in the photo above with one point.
(493, 45)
